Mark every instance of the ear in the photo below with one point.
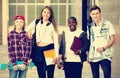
(90, 14)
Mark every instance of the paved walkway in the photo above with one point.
(59, 73)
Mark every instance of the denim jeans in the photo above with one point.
(106, 68)
(19, 73)
(73, 69)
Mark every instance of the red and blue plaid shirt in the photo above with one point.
(19, 47)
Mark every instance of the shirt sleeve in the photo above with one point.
(11, 53)
(37, 33)
(56, 42)
(28, 50)
(111, 29)
(31, 27)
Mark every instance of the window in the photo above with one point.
(31, 9)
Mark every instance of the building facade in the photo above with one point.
(31, 10)
(62, 10)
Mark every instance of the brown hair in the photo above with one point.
(94, 8)
(51, 19)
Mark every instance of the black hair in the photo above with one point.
(73, 18)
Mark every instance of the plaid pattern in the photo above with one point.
(19, 47)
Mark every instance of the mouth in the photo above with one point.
(72, 26)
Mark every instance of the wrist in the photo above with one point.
(104, 49)
(80, 51)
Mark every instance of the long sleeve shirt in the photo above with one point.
(47, 34)
(19, 47)
(50, 36)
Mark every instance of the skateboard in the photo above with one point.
(10, 66)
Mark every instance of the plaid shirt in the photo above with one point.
(19, 47)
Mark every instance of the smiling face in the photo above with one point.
(95, 15)
(72, 23)
(46, 14)
(19, 24)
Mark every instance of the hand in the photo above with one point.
(29, 61)
(22, 67)
(15, 67)
(77, 52)
(55, 60)
(100, 49)
(59, 61)
(29, 34)
(38, 43)
(60, 65)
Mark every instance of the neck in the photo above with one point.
(18, 30)
(72, 30)
(45, 21)
(97, 22)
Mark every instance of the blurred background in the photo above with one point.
(62, 10)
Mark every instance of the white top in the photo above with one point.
(31, 27)
(45, 34)
(69, 36)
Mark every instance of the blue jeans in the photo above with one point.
(73, 69)
(105, 65)
(19, 73)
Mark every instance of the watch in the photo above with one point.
(103, 49)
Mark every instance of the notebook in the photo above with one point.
(76, 44)
(49, 56)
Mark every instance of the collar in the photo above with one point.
(100, 23)
(23, 31)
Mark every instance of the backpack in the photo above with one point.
(34, 46)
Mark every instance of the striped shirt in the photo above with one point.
(19, 47)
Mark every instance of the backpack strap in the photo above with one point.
(36, 22)
(34, 34)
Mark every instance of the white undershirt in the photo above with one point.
(69, 36)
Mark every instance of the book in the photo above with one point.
(49, 56)
(76, 44)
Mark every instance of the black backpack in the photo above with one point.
(33, 50)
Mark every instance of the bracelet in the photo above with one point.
(103, 49)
